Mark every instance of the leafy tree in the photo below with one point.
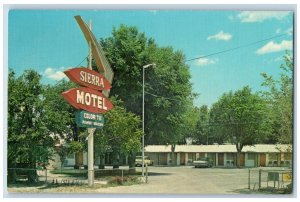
(61, 118)
(121, 134)
(280, 98)
(241, 118)
(62, 152)
(29, 142)
(101, 146)
(168, 100)
(201, 133)
(167, 87)
(125, 51)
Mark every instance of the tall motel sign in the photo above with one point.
(91, 98)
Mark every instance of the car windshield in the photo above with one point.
(203, 159)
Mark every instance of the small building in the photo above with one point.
(260, 155)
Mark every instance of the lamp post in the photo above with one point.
(143, 138)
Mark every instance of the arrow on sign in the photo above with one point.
(88, 99)
(98, 54)
(89, 78)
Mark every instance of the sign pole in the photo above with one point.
(91, 156)
(91, 133)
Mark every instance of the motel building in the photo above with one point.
(259, 155)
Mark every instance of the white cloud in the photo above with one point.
(206, 61)
(220, 36)
(289, 31)
(278, 59)
(153, 12)
(275, 47)
(278, 31)
(260, 16)
(54, 74)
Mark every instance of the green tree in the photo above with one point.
(167, 87)
(168, 100)
(29, 142)
(126, 54)
(101, 146)
(201, 132)
(121, 134)
(280, 97)
(241, 118)
(60, 118)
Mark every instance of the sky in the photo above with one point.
(50, 41)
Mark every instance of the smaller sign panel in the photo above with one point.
(88, 99)
(89, 120)
(89, 78)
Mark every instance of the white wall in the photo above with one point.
(186, 159)
(55, 164)
(71, 161)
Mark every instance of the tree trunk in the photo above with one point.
(76, 166)
(102, 161)
(173, 160)
(238, 158)
(12, 174)
(131, 163)
(239, 148)
(31, 173)
(115, 159)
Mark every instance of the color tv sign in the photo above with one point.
(88, 98)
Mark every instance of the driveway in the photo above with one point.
(188, 180)
(168, 180)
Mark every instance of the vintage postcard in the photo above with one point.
(159, 101)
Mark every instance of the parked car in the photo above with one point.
(203, 162)
(139, 161)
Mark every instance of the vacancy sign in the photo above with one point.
(89, 120)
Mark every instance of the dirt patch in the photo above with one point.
(70, 188)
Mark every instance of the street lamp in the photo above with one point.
(143, 139)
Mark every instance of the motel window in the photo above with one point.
(230, 156)
(191, 156)
(287, 156)
(251, 156)
(273, 157)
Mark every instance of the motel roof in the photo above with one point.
(258, 148)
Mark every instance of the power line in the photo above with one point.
(161, 96)
(81, 61)
(238, 47)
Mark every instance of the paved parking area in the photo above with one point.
(188, 180)
(170, 181)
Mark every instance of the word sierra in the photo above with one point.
(89, 78)
(88, 99)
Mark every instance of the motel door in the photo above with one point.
(221, 159)
(79, 158)
(242, 159)
(262, 160)
(163, 159)
(182, 158)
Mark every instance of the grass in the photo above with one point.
(68, 186)
(71, 172)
